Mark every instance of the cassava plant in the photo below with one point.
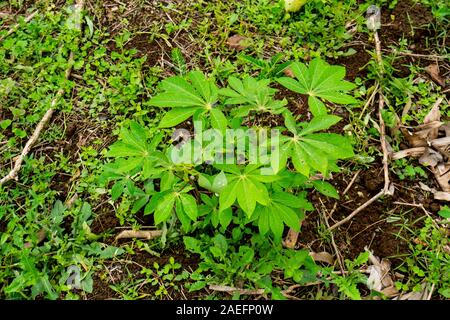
(268, 191)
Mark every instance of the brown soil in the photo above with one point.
(356, 63)
(370, 227)
(297, 103)
(408, 20)
(78, 133)
(156, 52)
(131, 268)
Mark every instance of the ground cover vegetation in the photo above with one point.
(224, 150)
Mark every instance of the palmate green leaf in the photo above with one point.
(310, 151)
(170, 99)
(292, 201)
(189, 206)
(246, 186)
(148, 168)
(178, 92)
(228, 196)
(302, 84)
(153, 203)
(139, 204)
(319, 123)
(276, 223)
(192, 96)
(283, 209)
(164, 208)
(225, 217)
(205, 87)
(307, 155)
(291, 179)
(176, 116)
(246, 196)
(325, 188)
(289, 122)
(298, 158)
(219, 182)
(122, 149)
(292, 85)
(264, 220)
(229, 168)
(128, 165)
(316, 106)
(321, 80)
(134, 152)
(261, 195)
(289, 217)
(135, 137)
(314, 157)
(263, 178)
(182, 216)
(218, 120)
(133, 142)
(279, 162)
(251, 169)
(138, 133)
(252, 94)
(205, 181)
(167, 181)
(117, 190)
(336, 146)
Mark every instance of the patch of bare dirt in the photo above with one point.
(130, 270)
(370, 227)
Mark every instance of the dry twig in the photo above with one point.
(387, 189)
(140, 234)
(14, 27)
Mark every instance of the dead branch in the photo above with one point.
(432, 57)
(440, 142)
(139, 234)
(258, 292)
(358, 210)
(420, 206)
(440, 195)
(387, 189)
(12, 175)
(412, 152)
(380, 116)
(14, 27)
(351, 182)
(232, 290)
